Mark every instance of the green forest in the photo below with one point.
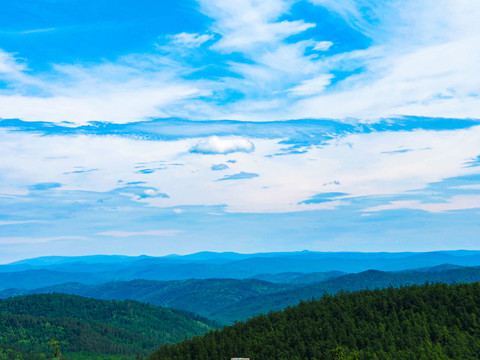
(426, 322)
(91, 329)
(230, 300)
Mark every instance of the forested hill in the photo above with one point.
(230, 300)
(371, 279)
(420, 322)
(203, 297)
(87, 327)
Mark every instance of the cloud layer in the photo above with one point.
(262, 61)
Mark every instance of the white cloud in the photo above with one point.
(353, 11)
(13, 70)
(151, 192)
(116, 105)
(312, 86)
(322, 45)
(423, 61)
(9, 65)
(255, 29)
(119, 233)
(218, 145)
(190, 40)
(357, 162)
(132, 89)
(247, 24)
(435, 81)
(460, 202)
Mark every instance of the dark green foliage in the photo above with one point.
(417, 323)
(10, 353)
(89, 326)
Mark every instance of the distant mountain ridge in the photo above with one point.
(104, 268)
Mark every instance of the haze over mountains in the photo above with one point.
(228, 287)
(183, 296)
(48, 271)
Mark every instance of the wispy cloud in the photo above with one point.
(190, 40)
(247, 25)
(13, 69)
(132, 89)
(36, 31)
(255, 65)
(312, 86)
(322, 45)
(27, 32)
(461, 202)
(359, 163)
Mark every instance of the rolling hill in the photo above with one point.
(371, 279)
(86, 328)
(230, 300)
(199, 296)
(420, 322)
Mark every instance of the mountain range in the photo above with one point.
(48, 271)
(230, 300)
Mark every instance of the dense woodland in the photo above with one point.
(420, 322)
(88, 328)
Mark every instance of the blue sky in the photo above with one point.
(152, 127)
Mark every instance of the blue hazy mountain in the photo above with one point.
(48, 271)
(299, 278)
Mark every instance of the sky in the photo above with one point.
(160, 127)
